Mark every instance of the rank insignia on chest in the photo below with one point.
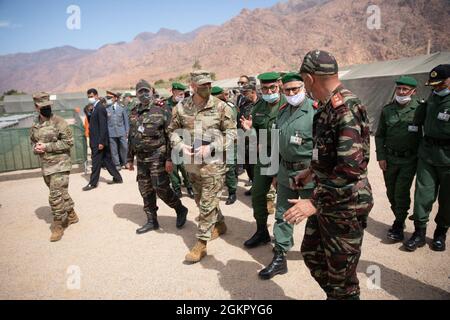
(337, 100)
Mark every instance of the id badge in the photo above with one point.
(315, 156)
(413, 128)
(296, 140)
(443, 116)
(141, 129)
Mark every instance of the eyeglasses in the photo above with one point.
(404, 89)
(240, 83)
(271, 88)
(294, 90)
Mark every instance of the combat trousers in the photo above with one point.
(331, 250)
(260, 189)
(175, 178)
(231, 179)
(208, 181)
(282, 230)
(398, 180)
(59, 198)
(432, 183)
(154, 180)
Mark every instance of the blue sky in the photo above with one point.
(27, 25)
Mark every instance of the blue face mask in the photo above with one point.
(271, 98)
(442, 93)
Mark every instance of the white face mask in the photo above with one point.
(296, 100)
(403, 99)
(179, 99)
(92, 100)
(109, 102)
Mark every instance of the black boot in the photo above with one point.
(231, 199)
(152, 224)
(261, 237)
(248, 193)
(182, 212)
(396, 232)
(440, 235)
(190, 193)
(277, 266)
(178, 194)
(417, 240)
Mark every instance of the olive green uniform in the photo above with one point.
(433, 170)
(397, 141)
(231, 179)
(296, 147)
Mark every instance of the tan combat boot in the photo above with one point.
(220, 228)
(197, 253)
(57, 230)
(271, 206)
(72, 217)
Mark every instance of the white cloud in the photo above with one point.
(4, 24)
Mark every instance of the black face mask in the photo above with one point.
(46, 112)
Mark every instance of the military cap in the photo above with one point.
(127, 95)
(269, 77)
(142, 84)
(290, 77)
(114, 94)
(201, 77)
(407, 81)
(216, 91)
(178, 86)
(439, 74)
(319, 62)
(42, 99)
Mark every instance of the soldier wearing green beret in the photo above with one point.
(397, 141)
(231, 179)
(263, 120)
(52, 140)
(178, 90)
(433, 168)
(295, 120)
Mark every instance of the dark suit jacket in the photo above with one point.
(98, 126)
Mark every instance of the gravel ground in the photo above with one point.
(112, 262)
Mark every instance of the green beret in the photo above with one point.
(407, 81)
(290, 77)
(127, 95)
(178, 86)
(216, 91)
(269, 77)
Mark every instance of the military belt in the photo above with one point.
(399, 154)
(296, 166)
(437, 142)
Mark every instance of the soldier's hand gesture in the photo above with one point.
(246, 123)
(302, 209)
(169, 166)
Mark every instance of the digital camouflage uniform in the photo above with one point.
(207, 179)
(397, 141)
(333, 237)
(55, 162)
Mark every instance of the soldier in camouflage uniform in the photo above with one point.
(337, 213)
(208, 123)
(52, 140)
(152, 148)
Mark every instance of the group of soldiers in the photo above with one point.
(321, 156)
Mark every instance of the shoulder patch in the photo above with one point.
(337, 100)
(315, 105)
(283, 106)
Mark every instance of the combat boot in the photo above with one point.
(72, 218)
(57, 229)
(190, 193)
(231, 199)
(440, 235)
(220, 228)
(396, 232)
(197, 253)
(271, 207)
(417, 240)
(182, 212)
(277, 266)
(152, 224)
(261, 237)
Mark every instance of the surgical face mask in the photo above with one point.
(179, 99)
(109, 102)
(204, 92)
(296, 100)
(92, 100)
(403, 99)
(271, 98)
(46, 112)
(145, 98)
(442, 93)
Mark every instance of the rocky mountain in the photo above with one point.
(257, 40)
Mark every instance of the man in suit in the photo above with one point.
(99, 143)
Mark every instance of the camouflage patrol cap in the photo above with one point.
(142, 84)
(319, 62)
(42, 99)
(201, 77)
